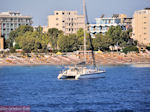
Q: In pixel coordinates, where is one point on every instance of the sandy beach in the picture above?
(101, 59)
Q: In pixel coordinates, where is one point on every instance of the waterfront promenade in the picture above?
(71, 59)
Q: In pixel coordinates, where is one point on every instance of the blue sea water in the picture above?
(124, 89)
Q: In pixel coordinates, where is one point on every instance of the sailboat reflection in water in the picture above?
(81, 70)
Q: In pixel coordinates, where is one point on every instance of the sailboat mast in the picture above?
(86, 26)
(84, 14)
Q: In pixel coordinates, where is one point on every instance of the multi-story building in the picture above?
(9, 21)
(103, 23)
(1, 43)
(1, 40)
(127, 23)
(141, 26)
(67, 21)
(0, 30)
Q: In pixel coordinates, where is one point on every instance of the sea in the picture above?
(124, 88)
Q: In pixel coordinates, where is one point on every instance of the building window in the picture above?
(63, 13)
(57, 19)
(69, 13)
(63, 21)
(57, 13)
(144, 33)
(4, 19)
(144, 16)
(57, 24)
(144, 27)
(144, 22)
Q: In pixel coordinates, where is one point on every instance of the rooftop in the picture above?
(147, 8)
(11, 14)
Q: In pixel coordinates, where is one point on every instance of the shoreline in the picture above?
(115, 64)
(103, 59)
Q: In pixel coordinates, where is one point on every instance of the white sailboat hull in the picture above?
(89, 74)
(92, 75)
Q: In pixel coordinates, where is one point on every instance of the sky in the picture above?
(40, 9)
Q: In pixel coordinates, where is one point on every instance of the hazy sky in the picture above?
(40, 9)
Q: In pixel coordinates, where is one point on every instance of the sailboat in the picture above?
(81, 70)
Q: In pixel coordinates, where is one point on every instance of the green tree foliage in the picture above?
(33, 42)
(115, 34)
(80, 36)
(68, 43)
(119, 37)
(72, 42)
(130, 49)
(12, 50)
(102, 42)
(148, 48)
(37, 41)
(53, 34)
(27, 42)
(18, 32)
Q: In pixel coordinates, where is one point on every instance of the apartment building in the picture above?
(1, 42)
(0, 28)
(103, 23)
(141, 26)
(67, 21)
(9, 21)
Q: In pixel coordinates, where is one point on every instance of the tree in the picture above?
(18, 32)
(26, 42)
(80, 36)
(33, 42)
(68, 43)
(63, 43)
(119, 37)
(53, 34)
(148, 48)
(44, 41)
(102, 42)
(114, 33)
(130, 49)
(39, 29)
